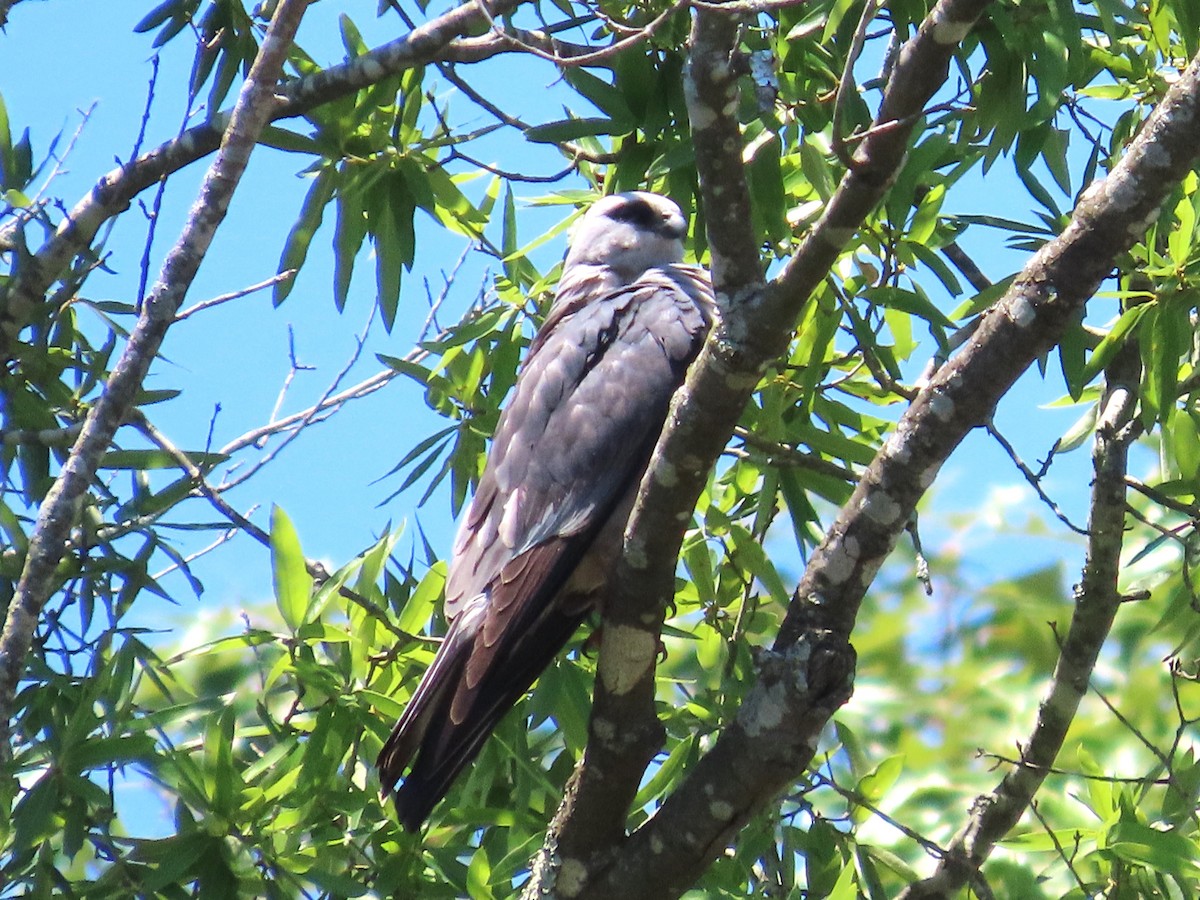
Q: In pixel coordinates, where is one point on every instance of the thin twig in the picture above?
(224, 538)
(1191, 510)
(293, 367)
(846, 84)
(1069, 860)
(597, 56)
(1070, 773)
(1034, 480)
(235, 295)
(56, 516)
(310, 415)
(196, 475)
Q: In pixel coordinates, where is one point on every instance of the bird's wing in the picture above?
(588, 406)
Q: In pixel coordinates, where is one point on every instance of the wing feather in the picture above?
(569, 450)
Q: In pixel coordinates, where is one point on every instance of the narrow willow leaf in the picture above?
(312, 212)
(293, 584)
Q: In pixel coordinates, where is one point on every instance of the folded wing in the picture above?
(567, 457)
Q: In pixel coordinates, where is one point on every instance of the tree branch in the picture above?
(591, 820)
(1096, 602)
(113, 193)
(58, 511)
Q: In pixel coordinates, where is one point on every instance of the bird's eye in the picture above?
(637, 213)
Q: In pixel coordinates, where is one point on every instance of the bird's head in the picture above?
(629, 232)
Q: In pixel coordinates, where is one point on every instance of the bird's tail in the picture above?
(447, 720)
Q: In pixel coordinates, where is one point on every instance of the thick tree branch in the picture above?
(783, 718)
(113, 193)
(756, 321)
(58, 511)
(624, 730)
(1027, 322)
(1096, 602)
(6, 7)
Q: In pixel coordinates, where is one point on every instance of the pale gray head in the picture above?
(629, 232)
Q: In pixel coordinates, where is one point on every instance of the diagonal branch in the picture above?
(808, 672)
(57, 514)
(1096, 602)
(113, 193)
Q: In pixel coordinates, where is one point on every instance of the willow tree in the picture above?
(1040, 747)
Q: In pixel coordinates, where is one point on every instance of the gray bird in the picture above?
(545, 526)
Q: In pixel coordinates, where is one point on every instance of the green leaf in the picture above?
(925, 219)
(573, 129)
(293, 584)
(295, 248)
(1163, 851)
(875, 784)
(1077, 435)
(352, 39)
(912, 302)
(158, 15)
(1185, 445)
(479, 875)
(34, 818)
(171, 858)
(983, 300)
(1054, 154)
(751, 555)
(336, 884)
(683, 754)
(157, 459)
(419, 608)
(1183, 232)
(288, 141)
(350, 229)
(1110, 342)
(604, 96)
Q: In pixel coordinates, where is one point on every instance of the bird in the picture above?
(545, 525)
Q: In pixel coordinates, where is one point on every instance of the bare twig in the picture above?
(309, 416)
(601, 55)
(1062, 853)
(325, 404)
(57, 512)
(1071, 773)
(1191, 510)
(234, 295)
(1034, 479)
(294, 366)
(196, 475)
(846, 85)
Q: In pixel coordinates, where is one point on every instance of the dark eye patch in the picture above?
(638, 213)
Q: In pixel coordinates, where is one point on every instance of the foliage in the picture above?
(261, 733)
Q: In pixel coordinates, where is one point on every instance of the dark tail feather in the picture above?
(430, 703)
(438, 765)
(428, 736)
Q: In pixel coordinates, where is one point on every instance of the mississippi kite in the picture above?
(545, 525)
